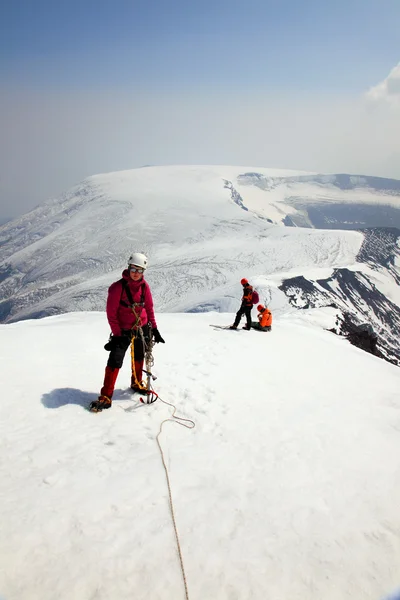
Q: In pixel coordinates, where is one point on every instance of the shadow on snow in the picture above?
(63, 396)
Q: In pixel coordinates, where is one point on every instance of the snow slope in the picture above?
(288, 487)
(198, 232)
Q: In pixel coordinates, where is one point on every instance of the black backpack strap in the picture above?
(125, 287)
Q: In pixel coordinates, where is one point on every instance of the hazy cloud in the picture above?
(388, 90)
(52, 140)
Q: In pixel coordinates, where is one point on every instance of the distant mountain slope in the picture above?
(327, 201)
(363, 293)
(203, 228)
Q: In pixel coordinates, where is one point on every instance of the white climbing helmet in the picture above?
(138, 259)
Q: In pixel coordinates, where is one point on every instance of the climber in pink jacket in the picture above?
(130, 314)
(119, 312)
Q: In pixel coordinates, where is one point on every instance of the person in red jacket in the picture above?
(130, 313)
(264, 319)
(245, 307)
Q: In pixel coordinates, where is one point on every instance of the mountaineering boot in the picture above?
(100, 404)
(233, 327)
(106, 392)
(245, 327)
(110, 377)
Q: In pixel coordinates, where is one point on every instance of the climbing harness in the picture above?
(132, 304)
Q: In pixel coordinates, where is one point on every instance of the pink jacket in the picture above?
(122, 317)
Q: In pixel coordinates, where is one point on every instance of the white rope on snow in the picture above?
(190, 425)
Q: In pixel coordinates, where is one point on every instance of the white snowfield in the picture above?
(287, 488)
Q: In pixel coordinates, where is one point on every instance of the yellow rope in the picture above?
(137, 327)
(171, 505)
(140, 385)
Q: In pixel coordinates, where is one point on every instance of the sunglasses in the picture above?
(136, 269)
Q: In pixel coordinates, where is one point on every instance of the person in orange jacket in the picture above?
(264, 319)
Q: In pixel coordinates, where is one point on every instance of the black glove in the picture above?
(157, 337)
(115, 341)
(110, 344)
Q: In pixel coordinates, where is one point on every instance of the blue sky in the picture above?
(290, 43)
(91, 86)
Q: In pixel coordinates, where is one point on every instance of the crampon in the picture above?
(100, 404)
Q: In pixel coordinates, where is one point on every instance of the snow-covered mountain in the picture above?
(287, 487)
(203, 229)
(368, 292)
(304, 426)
